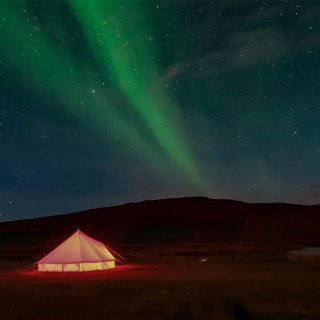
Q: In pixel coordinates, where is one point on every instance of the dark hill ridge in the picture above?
(196, 219)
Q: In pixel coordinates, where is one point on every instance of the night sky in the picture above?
(103, 103)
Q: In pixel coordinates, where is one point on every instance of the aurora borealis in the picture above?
(106, 102)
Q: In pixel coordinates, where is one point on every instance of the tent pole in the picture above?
(116, 253)
(27, 267)
(124, 261)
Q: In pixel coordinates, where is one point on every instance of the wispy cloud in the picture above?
(315, 191)
(245, 49)
(258, 37)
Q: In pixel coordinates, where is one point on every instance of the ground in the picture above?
(190, 281)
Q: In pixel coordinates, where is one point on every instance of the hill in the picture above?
(180, 220)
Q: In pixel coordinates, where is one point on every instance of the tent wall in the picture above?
(75, 267)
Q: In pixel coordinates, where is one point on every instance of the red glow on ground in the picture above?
(123, 271)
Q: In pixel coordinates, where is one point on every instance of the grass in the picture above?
(238, 281)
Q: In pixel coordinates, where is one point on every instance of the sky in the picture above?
(109, 102)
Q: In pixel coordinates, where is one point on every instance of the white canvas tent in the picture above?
(78, 253)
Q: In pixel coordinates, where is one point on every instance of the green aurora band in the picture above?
(129, 59)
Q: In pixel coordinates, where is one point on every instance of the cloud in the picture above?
(258, 46)
(248, 38)
(268, 13)
(315, 191)
(245, 49)
(173, 70)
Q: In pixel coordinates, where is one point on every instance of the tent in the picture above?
(78, 253)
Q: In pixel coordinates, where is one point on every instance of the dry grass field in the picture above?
(233, 281)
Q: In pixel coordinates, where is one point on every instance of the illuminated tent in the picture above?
(78, 253)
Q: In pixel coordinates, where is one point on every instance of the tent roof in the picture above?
(78, 248)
